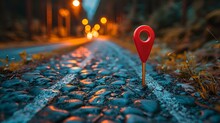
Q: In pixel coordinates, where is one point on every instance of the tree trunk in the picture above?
(42, 16)
(184, 12)
(29, 18)
(49, 18)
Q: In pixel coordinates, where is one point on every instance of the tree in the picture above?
(49, 17)
(29, 18)
(184, 12)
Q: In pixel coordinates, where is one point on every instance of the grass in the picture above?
(184, 66)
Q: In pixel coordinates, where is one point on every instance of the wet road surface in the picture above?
(98, 82)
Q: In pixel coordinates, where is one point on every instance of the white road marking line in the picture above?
(40, 101)
(165, 97)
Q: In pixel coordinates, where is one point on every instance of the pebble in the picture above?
(102, 92)
(67, 88)
(71, 104)
(185, 100)
(120, 75)
(22, 98)
(86, 73)
(35, 90)
(104, 72)
(87, 83)
(101, 81)
(161, 119)
(164, 82)
(97, 100)
(150, 106)
(14, 82)
(99, 87)
(118, 101)
(42, 81)
(2, 91)
(69, 62)
(132, 80)
(215, 118)
(119, 119)
(86, 110)
(196, 94)
(206, 113)
(111, 112)
(77, 94)
(107, 121)
(52, 77)
(1, 77)
(50, 73)
(128, 94)
(86, 89)
(130, 110)
(186, 87)
(50, 114)
(74, 70)
(118, 82)
(132, 118)
(31, 76)
(8, 107)
(114, 94)
(74, 119)
(61, 99)
(43, 67)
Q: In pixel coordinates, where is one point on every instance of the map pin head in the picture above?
(144, 47)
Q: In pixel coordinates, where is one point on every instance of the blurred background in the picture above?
(190, 22)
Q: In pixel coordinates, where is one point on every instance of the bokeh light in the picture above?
(97, 27)
(89, 35)
(85, 21)
(64, 12)
(87, 28)
(76, 3)
(103, 20)
(95, 33)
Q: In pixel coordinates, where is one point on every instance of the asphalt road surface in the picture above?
(99, 83)
(13, 53)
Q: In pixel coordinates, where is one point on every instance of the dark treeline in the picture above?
(174, 20)
(23, 19)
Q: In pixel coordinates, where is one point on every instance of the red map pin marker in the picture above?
(144, 47)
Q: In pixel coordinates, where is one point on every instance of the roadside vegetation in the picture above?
(27, 62)
(188, 51)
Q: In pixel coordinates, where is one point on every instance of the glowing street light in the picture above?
(95, 34)
(89, 35)
(85, 21)
(97, 27)
(87, 28)
(103, 20)
(76, 3)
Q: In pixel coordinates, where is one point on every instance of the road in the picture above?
(13, 53)
(98, 82)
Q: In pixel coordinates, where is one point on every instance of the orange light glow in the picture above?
(85, 21)
(103, 20)
(97, 27)
(87, 28)
(95, 34)
(64, 12)
(76, 3)
(89, 35)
